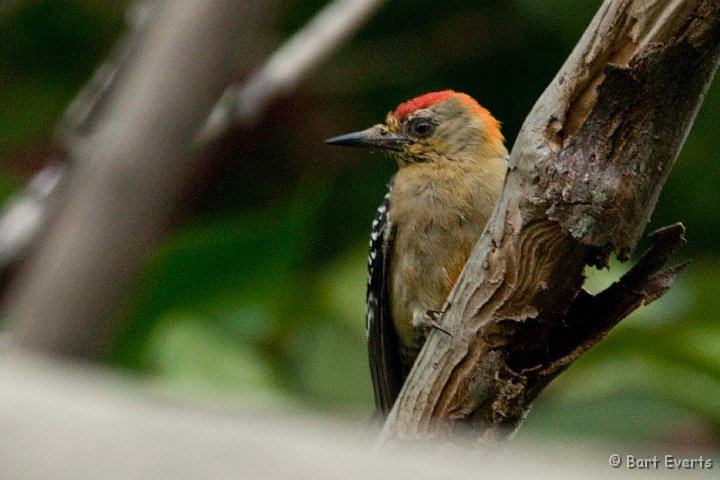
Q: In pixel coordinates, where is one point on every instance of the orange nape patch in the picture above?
(492, 126)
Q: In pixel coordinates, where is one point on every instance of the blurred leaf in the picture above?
(329, 364)
(192, 360)
(220, 265)
(49, 48)
(329, 357)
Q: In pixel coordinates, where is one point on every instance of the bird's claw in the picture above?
(431, 318)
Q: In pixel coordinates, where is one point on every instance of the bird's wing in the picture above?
(382, 339)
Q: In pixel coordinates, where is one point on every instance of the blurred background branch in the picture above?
(288, 65)
(24, 216)
(126, 175)
(83, 115)
(240, 104)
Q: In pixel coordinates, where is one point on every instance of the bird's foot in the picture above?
(429, 320)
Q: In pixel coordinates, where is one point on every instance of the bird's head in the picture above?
(435, 127)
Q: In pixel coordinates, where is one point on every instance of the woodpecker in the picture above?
(452, 163)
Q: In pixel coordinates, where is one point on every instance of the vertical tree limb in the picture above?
(585, 173)
(240, 104)
(131, 170)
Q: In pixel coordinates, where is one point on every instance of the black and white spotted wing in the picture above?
(383, 344)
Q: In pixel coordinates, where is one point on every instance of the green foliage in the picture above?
(655, 377)
(48, 48)
(229, 294)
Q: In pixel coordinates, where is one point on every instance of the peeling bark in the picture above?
(585, 174)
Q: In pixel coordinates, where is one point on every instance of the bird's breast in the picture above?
(437, 221)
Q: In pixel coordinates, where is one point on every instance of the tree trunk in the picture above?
(126, 176)
(585, 174)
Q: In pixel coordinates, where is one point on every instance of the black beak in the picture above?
(373, 137)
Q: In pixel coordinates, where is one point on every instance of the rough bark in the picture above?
(585, 174)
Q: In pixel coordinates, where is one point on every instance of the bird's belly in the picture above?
(427, 259)
(437, 212)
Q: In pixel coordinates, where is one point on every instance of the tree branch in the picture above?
(293, 61)
(85, 112)
(585, 174)
(239, 105)
(127, 174)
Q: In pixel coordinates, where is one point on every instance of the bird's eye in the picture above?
(421, 127)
